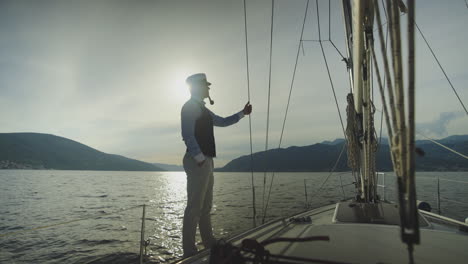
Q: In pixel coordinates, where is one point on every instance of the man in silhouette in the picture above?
(197, 133)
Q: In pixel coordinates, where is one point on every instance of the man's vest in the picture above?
(204, 133)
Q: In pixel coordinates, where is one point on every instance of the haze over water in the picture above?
(111, 226)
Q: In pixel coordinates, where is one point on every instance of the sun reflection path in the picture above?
(165, 216)
(166, 210)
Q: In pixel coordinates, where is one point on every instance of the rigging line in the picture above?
(328, 70)
(331, 172)
(441, 68)
(411, 184)
(384, 77)
(442, 179)
(294, 239)
(387, 22)
(331, 42)
(386, 16)
(268, 107)
(329, 30)
(384, 80)
(388, 79)
(337, 174)
(342, 189)
(385, 13)
(398, 89)
(329, 20)
(287, 105)
(445, 147)
(294, 76)
(371, 69)
(254, 257)
(250, 116)
(384, 103)
(453, 201)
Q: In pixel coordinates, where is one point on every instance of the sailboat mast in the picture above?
(357, 48)
(358, 16)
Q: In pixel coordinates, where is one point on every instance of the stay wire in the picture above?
(333, 44)
(385, 13)
(329, 20)
(287, 105)
(382, 112)
(441, 68)
(371, 82)
(329, 31)
(250, 116)
(268, 107)
(443, 146)
(294, 75)
(328, 70)
(331, 172)
(388, 80)
(384, 77)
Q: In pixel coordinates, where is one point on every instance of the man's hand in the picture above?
(247, 109)
(201, 163)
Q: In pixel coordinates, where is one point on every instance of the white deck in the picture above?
(357, 243)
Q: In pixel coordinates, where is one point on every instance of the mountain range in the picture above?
(169, 167)
(322, 157)
(45, 151)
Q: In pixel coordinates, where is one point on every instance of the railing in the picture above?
(438, 197)
(381, 185)
(142, 238)
(143, 244)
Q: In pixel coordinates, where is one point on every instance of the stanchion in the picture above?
(142, 240)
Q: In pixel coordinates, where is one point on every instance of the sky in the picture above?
(110, 74)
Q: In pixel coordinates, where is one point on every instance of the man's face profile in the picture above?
(200, 90)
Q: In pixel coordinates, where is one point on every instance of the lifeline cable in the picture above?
(287, 105)
(250, 117)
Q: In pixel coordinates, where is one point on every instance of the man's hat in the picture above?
(199, 78)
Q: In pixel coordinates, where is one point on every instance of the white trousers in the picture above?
(199, 202)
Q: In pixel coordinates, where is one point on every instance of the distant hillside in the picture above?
(44, 151)
(169, 167)
(322, 157)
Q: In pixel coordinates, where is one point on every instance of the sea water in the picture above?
(51, 216)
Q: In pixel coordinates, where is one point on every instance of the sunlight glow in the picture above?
(179, 89)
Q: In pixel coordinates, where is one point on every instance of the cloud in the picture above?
(108, 73)
(438, 127)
